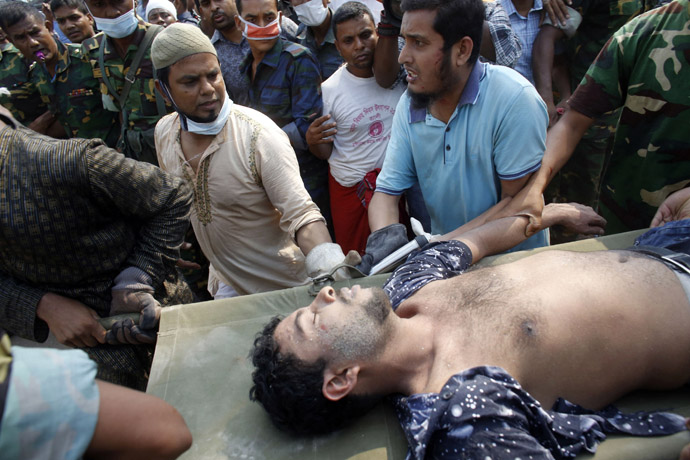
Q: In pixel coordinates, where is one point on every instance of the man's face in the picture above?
(356, 42)
(219, 13)
(109, 9)
(197, 87)
(340, 327)
(161, 17)
(3, 37)
(76, 25)
(32, 36)
(260, 13)
(429, 73)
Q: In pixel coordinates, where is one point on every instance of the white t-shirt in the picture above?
(363, 113)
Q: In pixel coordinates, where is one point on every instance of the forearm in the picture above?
(383, 211)
(311, 235)
(494, 237)
(18, 305)
(560, 144)
(321, 151)
(386, 65)
(542, 63)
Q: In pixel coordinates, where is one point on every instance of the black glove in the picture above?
(381, 243)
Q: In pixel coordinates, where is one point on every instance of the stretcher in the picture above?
(201, 367)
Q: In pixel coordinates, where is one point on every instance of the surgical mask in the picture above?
(311, 13)
(212, 127)
(120, 27)
(254, 32)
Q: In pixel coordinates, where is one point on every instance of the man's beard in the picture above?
(448, 80)
(366, 337)
(207, 119)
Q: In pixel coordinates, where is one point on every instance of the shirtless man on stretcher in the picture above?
(477, 364)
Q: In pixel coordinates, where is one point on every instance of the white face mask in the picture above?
(311, 13)
(120, 27)
(212, 127)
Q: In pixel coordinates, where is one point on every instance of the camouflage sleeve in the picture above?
(602, 88)
(18, 302)
(306, 91)
(145, 193)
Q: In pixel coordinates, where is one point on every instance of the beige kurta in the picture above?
(249, 200)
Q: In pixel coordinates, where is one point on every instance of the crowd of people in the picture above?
(170, 152)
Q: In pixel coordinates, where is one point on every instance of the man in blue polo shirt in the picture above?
(469, 132)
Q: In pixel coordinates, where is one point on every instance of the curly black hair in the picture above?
(290, 390)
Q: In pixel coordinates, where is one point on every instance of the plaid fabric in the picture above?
(506, 42)
(526, 29)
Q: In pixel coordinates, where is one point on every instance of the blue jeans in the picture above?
(674, 236)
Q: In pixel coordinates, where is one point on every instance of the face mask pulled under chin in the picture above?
(212, 127)
(120, 27)
(254, 32)
(311, 13)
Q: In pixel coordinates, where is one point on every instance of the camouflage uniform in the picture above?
(24, 103)
(74, 97)
(645, 68)
(143, 105)
(580, 179)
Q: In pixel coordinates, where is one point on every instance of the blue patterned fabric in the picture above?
(52, 405)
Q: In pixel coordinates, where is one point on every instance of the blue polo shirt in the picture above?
(497, 132)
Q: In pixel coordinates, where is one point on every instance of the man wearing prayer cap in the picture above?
(252, 216)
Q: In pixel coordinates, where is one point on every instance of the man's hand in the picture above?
(187, 264)
(529, 202)
(320, 132)
(73, 323)
(323, 258)
(575, 217)
(132, 293)
(675, 207)
(557, 11)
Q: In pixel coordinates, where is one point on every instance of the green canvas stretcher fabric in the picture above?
(201, 367)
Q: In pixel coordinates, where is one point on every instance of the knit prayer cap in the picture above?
(177, 41)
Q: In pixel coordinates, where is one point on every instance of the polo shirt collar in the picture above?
(469, 95)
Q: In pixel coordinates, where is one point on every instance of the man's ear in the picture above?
(462, 50)
(49, 26)
(338, 384)
(238, 23)
(159, 87)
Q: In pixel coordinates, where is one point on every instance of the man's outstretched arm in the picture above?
(502, 234)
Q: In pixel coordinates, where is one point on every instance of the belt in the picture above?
(677, 260)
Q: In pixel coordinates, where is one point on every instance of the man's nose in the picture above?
(404, 55)
(324, 298)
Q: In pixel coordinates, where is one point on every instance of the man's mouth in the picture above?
(411, 75)
(218, 17)
(40, 54)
